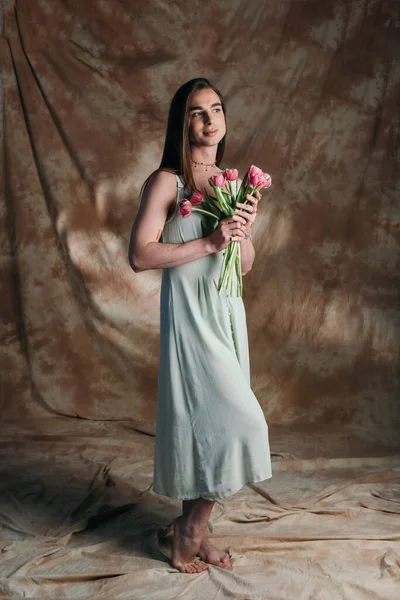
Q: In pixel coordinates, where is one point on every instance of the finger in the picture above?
(239, 218)
(243, 213)
(236, 218)
(247, 208)
(247, 216)
(240, 206)
(238, 226)
(254, 203)
(234, 233)
(230, 219)
(251, 198)
(238, 232)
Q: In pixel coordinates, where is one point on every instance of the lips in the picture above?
(211, 132)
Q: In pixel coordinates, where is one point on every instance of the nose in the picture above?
(207, 118)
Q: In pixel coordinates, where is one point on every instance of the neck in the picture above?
(204, 155)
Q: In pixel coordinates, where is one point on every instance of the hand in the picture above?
(230, 229)
(248, 211)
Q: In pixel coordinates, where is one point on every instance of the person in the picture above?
(211, 434)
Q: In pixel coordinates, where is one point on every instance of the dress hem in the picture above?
(210, 495)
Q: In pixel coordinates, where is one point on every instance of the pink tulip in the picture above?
(253, 175)
(218, 180)
(197, 198)
(185, 208)
(259, 180)
(267, 181)
(253, 170)
(252, 180)
(231, 174)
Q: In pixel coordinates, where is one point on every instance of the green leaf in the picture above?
(207, 195)
(229, 202)
(242, 190)
(221, 201)
(211, 204)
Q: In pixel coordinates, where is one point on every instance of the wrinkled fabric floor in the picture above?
(79, 518)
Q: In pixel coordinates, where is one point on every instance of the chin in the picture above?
(214, 141)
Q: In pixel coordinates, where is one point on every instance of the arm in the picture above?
(247, 254)
(146, 253)
(249, 212)
(144, 250)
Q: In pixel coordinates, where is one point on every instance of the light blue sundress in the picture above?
(211, 433)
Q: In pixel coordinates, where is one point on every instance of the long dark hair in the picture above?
(176, 155)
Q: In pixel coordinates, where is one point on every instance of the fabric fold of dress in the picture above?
(211, 433)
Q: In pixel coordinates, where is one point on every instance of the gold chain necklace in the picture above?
(195, 162)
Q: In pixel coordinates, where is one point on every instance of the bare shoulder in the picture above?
(163, 182)
(159, 194)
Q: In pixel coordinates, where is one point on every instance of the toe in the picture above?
(227, 562)
(182, 567)
(189, 569)
(200, 566)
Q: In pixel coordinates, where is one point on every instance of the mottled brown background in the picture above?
(313, 95)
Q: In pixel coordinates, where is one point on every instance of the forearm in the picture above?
(157, 255)
(247, 254)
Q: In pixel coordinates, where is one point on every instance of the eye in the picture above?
(217, 110)
(196, 114)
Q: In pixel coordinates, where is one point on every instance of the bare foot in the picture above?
(185, 547)
(212, 555)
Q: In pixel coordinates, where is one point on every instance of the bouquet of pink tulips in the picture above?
(223, 205)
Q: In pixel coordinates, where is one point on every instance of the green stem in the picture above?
(239, 272)
(204, 212)
(225, 268)
(228, 267)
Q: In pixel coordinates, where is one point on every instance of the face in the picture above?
(206, 118)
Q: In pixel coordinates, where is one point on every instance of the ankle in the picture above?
(195, 526)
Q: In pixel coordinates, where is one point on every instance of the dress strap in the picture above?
(180, 186)
(179, 181)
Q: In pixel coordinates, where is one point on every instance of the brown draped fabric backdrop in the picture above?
(312, 90)
(313, 95)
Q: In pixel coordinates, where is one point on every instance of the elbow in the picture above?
(246, 270)
(135, 264)
(135, 259)
(134, 267)
(140, 260)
